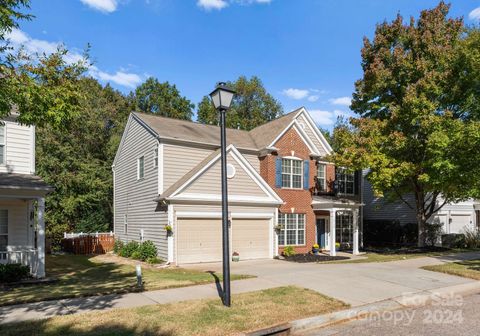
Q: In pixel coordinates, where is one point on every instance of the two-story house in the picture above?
(22, 198)
(281, 189)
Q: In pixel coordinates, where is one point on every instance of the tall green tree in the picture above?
(162, 99)
(76, 159)
(418, 130)
(42, 88)
(252, 106)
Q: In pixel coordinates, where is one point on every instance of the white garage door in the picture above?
(251, 238)
(459, 223)
(199, 240)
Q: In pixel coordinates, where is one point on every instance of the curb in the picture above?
(417, 299)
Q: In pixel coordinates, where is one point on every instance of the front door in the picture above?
(322, 232)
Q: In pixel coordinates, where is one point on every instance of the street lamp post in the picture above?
(222, 98)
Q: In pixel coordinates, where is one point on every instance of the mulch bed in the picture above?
(407, 250)
(306, 258)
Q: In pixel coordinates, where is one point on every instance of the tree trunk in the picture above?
(421, 228)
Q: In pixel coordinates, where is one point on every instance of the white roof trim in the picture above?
(320, 137)
(305, 138)
(244, 164)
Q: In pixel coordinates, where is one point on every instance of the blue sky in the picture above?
(307, 52)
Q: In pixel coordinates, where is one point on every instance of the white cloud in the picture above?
(474, 14)
(322, 117)
(296, 93)
(122, 78)
(345, 101)
(19, 39)
(212, 4)
(105, 6)
(313, 98)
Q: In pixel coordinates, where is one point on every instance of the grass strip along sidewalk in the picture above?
(249, 311)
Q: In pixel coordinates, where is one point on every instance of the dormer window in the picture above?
(2, 144)
(292, 173)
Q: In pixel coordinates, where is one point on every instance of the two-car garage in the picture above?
(200, 239)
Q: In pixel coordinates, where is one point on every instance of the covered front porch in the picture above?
(22, 224)
(337, 224)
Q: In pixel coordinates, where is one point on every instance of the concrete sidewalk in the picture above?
(45, 309)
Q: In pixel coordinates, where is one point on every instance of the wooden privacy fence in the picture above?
(88, 243)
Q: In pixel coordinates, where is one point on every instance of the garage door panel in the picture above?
(251, 238)
(199, 240)
(459, 223)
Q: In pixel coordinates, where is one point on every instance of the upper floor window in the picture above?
(322, 177)
(2, 144)
(292, 229)
(345, 182)
(292, 173)
(3, 229)
(155, 158)
(140, 168)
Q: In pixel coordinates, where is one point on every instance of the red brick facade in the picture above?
(291, 144)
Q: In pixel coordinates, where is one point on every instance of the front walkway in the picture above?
(356, 284)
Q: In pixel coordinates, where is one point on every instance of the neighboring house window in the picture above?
(155, 158)
(125, 224)
(3, 230)
(345, 182)
(140, 168)
(321, 177)
(2, 144)
(292, 173)
(292, 229)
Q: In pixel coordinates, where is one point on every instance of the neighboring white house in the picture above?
(456, 217)
(22, 198)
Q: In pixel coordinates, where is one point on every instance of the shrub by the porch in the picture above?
(13, 272)
(128, 249)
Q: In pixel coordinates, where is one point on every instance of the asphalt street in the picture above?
(448, 317)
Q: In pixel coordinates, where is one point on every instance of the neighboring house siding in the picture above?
(311, 134)
(20, 146)
(179, 160)
(241, 184)
(253, 160)
(18, 233)
(377, 208)
(135, 198)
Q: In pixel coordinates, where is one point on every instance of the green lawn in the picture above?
(467, 269)
(249, 311)
(84, 276)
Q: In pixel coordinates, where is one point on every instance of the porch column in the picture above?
(355, 232)
(333, 215)
(40, 238)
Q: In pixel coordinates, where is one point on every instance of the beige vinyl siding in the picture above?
(179, 160)
(19, 149)
(254, 161)
(18, 230)
(135, 198)
(210, 183)
(302, 120)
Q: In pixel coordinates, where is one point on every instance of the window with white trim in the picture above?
(322, 177)
(2, 144)
(292, 230)
(3, 230)
(155, 158)
(292, 173)
(345, 182)
(140, 167)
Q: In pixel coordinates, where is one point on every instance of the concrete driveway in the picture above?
(356, 284)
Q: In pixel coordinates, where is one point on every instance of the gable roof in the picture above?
(257, 139)
(175, 129)
(189, 178)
